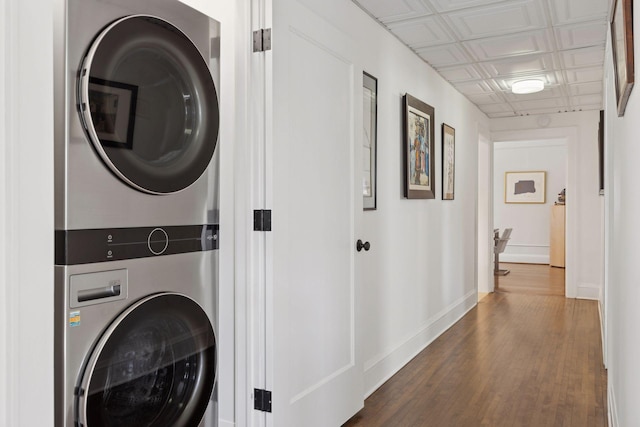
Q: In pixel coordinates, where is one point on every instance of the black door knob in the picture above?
(360, 246)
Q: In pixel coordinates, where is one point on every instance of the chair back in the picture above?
(501, 242)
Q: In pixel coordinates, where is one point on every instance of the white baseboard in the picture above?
(604, 344)
(379, 369)
(224, 423)
(588, 291)
(524, 258)
(613, 410)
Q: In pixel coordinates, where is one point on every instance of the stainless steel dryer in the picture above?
(136, 133)
(137, 114)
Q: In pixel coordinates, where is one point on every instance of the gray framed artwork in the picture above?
(525, 187)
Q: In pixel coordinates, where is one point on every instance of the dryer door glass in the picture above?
(154, 366)
(149, 104)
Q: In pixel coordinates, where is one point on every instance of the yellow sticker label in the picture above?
(74, 318)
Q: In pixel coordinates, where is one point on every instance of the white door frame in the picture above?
(252, 184)
(570, 134)
(26, 213)
(486, 227)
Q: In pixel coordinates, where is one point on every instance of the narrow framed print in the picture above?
(369, 141)
(418, 149)
(601, 153)
(525, 187)
(448, 162)
(113, 107)
(622, 48)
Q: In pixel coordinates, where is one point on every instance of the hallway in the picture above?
(520, 358)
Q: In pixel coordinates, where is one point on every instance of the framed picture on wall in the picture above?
(369, 141)
(418, 149)
(525, 187)
(448, 161)
(622, 48)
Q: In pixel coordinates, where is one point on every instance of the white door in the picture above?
(314, 367)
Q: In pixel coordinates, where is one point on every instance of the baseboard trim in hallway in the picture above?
(379, 369)
(514, 360)
(613, 410)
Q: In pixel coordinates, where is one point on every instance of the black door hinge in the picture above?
(262, 220)
(261, 400)
(262, 40)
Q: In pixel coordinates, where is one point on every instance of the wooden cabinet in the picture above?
(556, 248)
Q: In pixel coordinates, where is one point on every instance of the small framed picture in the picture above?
(448, 162)
(369, 140)
(113, 108)
(525, 187)
(418, 149)
(601, 152)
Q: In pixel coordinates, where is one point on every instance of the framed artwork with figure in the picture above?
(418, 149)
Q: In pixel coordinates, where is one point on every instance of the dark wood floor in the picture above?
(517, 359)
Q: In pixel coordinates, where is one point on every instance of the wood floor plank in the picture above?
(517, 359)
(533, 279)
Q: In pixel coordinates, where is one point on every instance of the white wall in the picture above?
(5, 403)
(584, 211)
(623, 230)
(26, 213)
(530, 222)
(421, 276)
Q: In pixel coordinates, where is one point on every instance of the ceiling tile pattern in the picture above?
(483, 46)
(424, 32)
(446, 55)
(491, 48)
(396, 10)
(581, 35)
(498, 19)
(461, 73)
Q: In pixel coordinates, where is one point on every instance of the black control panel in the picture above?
(112, 244)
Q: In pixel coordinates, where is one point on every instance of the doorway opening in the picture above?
(529, 184)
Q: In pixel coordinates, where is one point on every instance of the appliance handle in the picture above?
(98, 293)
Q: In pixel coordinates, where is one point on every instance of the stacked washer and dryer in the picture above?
(137, 179)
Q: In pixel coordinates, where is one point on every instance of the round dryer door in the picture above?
(155, 365)
(149, 104)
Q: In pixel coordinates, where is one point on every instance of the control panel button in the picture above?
(158, 241)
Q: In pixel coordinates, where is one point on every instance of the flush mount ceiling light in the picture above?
(527, 86)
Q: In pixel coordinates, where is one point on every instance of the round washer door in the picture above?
(149, 105)
(155, 365)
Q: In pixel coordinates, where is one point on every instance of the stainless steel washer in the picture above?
(137, 343)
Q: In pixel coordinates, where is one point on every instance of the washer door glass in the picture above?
(154, 366)
(149, 104)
